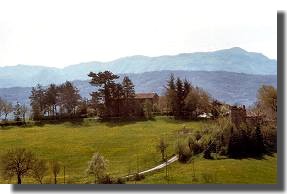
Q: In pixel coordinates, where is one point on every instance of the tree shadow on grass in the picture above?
(118, 122)
(73, 122)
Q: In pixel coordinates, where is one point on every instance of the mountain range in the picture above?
(231, 60)
(231, 75)
(225, 86)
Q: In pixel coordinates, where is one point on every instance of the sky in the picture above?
(65, 32)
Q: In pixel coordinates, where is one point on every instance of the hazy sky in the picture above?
(60, 33)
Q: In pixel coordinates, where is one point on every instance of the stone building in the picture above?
(238, 115)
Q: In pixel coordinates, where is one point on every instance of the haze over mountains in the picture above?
(231, 75)
(231, 60)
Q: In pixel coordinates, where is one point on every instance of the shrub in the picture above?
(198, 136)
(120, 181)
(184, 153)
(269, 135)
(106, 179)
(139, 177)
(246, 143)
(97, 167)
(194, 146)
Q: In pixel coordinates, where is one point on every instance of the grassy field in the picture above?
(245, 171)
(129, 146)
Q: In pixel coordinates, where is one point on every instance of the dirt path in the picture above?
(162, 165)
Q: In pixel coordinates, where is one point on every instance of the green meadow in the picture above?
(129, 147)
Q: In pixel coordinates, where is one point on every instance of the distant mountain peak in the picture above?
(234, 59)
(238, 50)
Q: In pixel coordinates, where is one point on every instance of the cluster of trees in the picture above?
(114, 99)
(266, 108)
(21, 162)
(19, 111)
(62, 100)
(185, 100)
(231, 143)
(245, 142)
(262, 138)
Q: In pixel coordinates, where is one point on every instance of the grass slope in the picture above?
(128, 146)
(224, 171)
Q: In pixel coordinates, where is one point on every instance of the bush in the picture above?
(120, 181)
(269, 135)
(207, 154)
(184, 153)
(139, 177)
(246, 143)
(198, 136)
(223, 150)
(194, 146)
(106, 179)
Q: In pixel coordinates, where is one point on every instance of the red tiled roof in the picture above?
(145, 95)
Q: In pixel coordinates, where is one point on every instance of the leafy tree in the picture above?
(147, 109)
(187, 87)
(17, 162)
(97, 167)
(191, 103)
(179, 105)
(204, 104)
(116, 106)
(23, 111)
(267, 101)
(8, 108)
(55, 168)
(17, 112)
(5, 108)
(37, 102)
(83, 106)
(197, 102)
(69, 98)
(171, 94)
(2, 104)
(104, 80)
(258, 144)
(39, 170)
(51, 96)
(162, 146)
(128, 96)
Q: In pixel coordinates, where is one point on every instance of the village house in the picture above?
(143, 97)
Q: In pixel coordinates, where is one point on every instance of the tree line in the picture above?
(55, 101)
(184, 101)
(111, 99)
(114, 99)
